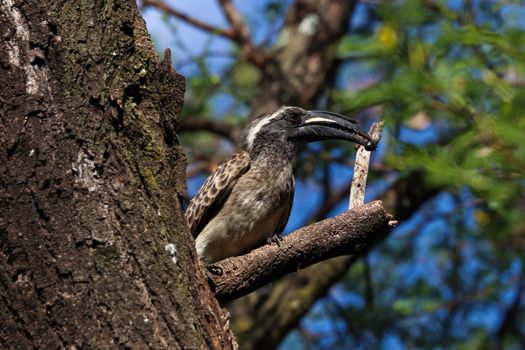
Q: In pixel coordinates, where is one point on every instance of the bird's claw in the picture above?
(275, 239)
(214, 270)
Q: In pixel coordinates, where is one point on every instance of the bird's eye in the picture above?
(294, 117)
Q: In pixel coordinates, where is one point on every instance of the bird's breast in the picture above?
(253, 211)
(258, 194)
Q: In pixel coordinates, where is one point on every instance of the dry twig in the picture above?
(362, 163)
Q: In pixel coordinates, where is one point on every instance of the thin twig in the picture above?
(238, 26)
(362, 161)
(161, 5)
(239, 31)
(242, 35)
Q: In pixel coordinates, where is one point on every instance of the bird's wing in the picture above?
(214, 191)
(287, 208)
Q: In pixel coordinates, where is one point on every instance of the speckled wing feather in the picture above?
(214, 191)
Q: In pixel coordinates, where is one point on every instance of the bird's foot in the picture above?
(210, 268)
(214, 269)
(275, 239)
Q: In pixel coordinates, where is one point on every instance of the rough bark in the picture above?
(94, 252)
(350, 233)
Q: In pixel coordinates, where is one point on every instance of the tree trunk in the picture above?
(94, 251)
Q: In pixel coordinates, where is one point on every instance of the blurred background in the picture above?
(448, 79)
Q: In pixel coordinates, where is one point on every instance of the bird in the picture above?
(247, 200)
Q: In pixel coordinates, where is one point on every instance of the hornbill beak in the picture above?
(324, 125)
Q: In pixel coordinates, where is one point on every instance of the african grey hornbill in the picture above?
(248, 198)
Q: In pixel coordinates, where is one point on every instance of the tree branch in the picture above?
(161, 5)
(242, 35)
(278, 312)
(362, 163)
(238, 26)
(239, 31)
(218, 127)
(352, 232)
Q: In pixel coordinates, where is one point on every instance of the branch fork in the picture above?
(239, 32)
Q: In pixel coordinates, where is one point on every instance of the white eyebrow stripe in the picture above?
(319, 119)
(254, 130)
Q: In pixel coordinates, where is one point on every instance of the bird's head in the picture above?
(294, 126)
